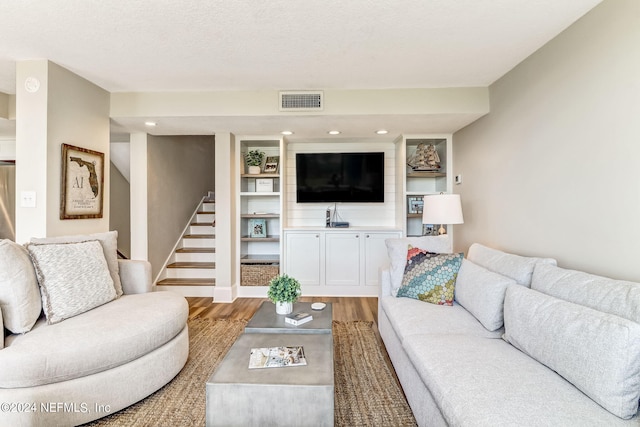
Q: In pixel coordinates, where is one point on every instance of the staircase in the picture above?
(191, 269)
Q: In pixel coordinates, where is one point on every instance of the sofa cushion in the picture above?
(600, 293)
(19, 293)
(73, 278)
(482, 292)
(430, 277)
(597, 352)
(109, 242)
(108, 336)
(397, 251)
(483, 382)
(516, 267)
(410, 317)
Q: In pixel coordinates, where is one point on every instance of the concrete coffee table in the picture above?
(266, 321)
(296, 395)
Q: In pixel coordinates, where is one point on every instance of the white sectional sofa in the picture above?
(526, 343)
(91, 364)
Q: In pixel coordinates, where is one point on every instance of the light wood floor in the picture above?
(344, 308)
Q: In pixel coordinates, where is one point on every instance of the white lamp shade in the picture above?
(442, 209)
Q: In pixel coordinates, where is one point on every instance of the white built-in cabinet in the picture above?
(337, 261)
(328, 261)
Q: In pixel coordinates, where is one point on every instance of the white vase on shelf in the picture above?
(283, 307)
(254, 170)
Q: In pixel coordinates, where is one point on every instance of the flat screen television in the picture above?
(340, 177)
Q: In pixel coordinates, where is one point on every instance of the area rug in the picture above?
(366, 392)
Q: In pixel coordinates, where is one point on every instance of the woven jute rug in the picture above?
(366, 392)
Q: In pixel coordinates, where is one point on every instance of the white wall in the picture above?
(357, 214)
(65, 109)
(553, 169)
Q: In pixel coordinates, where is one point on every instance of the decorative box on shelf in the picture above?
(264, 185)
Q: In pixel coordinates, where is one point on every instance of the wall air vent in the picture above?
(301, 101)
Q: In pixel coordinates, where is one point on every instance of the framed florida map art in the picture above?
(82, 188)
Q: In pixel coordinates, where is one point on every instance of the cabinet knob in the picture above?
(357, 236)
(367, 236)
(317, 235)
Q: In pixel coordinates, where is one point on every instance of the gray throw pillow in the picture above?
(73, 278)
(481, 292)
(109, 242)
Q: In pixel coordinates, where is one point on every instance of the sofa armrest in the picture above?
(135, 276)
(385, 283)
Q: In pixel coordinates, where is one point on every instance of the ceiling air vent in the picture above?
(301, 101)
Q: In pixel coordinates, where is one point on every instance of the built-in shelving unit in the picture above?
(259, 208)
(415, 185)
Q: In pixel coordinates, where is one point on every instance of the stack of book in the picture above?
(297, 319)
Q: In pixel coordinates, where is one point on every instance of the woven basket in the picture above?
(258, 274)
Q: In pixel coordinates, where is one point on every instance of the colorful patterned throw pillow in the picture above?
(430, 277)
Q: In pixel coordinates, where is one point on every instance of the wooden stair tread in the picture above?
(196, 250)
(199, 236)
(187, 282)
(202, 224)
(192, 265)
(206, 212)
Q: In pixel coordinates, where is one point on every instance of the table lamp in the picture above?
(442, 209)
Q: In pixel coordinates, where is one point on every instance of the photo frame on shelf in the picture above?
(257, 227)
(415, 204)
(271, 164)
(82, 183)
(429, 230)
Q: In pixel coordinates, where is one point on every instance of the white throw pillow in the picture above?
(73, 278)
(397, 251)
(599, 353)
(481, 292)
(109, 242)
(19, 293)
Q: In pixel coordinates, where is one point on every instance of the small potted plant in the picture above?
(254, 161)
(284, 291)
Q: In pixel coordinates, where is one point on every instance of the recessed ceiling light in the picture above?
(334, 132)
(382, 132)
(150, 123)
(286, 132)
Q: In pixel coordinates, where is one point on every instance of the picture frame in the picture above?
(429, 230)
(81, 183)
(415, 204)
(257, 228)
(271, 164)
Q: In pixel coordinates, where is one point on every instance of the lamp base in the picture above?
(442, 230)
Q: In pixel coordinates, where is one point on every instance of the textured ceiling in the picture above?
(204, 45)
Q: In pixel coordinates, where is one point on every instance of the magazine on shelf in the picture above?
(276, 357)
(298, 318)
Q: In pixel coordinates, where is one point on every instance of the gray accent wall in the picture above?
(180, 173)
(554, 168)
(120, 215)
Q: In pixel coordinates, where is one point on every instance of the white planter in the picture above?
(254, 170)
(284, 307)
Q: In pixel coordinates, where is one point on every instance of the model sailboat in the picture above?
(425, 158)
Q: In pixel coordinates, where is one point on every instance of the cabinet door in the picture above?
(375, 256)
(302, 254)
(342, 255)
